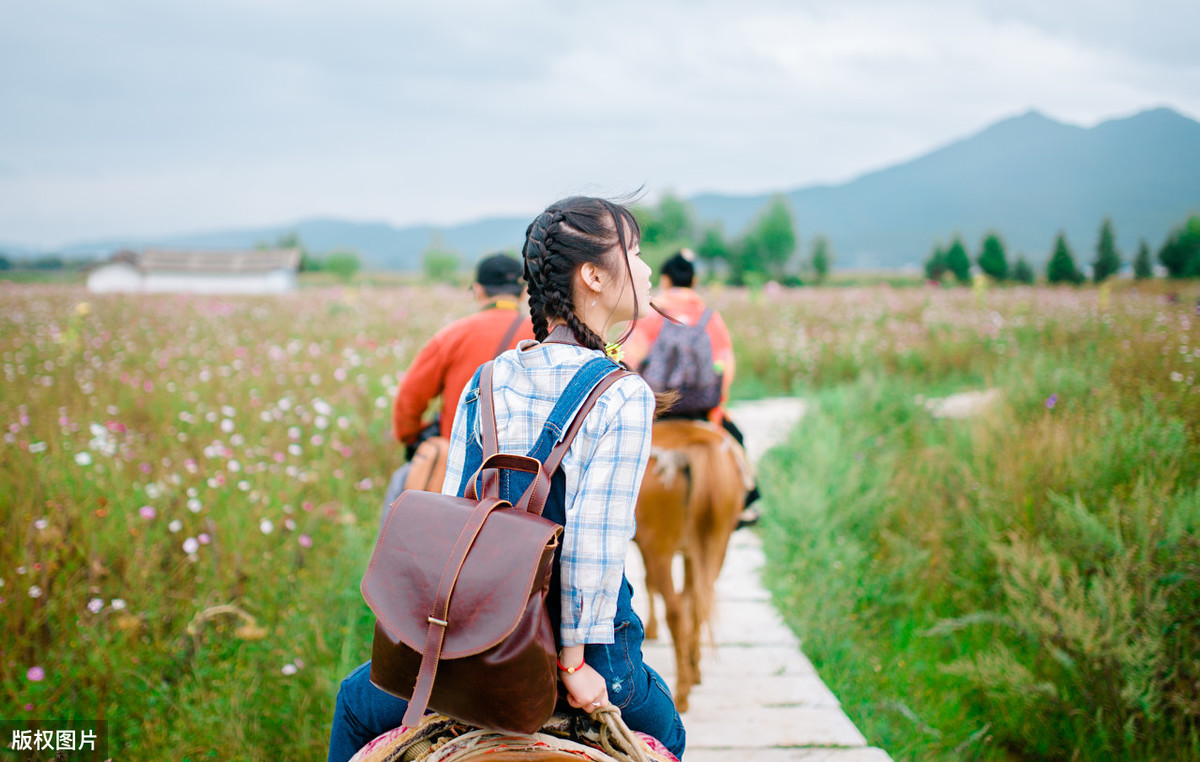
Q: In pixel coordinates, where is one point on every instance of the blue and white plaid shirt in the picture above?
(603, 468)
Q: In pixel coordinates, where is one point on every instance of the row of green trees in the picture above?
(1179, 256)
(767, 250)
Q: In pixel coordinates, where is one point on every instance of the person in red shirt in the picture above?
(677, 298)
(446, 363)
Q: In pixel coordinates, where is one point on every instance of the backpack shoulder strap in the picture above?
(703, 321)
(487, 411)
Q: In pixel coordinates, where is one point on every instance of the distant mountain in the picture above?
(1026, 178)
(381, 246)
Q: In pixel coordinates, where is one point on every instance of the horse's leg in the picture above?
(693, 585)
(651, 616)
(680, 614)
(658, 582)
(659, 575)
(721, 503)
(651, 623)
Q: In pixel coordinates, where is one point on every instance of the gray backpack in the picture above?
(681, 359)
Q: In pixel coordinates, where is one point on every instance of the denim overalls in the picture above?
(364, 711)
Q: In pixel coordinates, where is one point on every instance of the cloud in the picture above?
(135, 116)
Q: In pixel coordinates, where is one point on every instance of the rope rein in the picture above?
(617, 739)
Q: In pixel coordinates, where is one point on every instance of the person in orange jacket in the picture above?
(446, 363)
(677, 298)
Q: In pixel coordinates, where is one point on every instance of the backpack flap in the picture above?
(512, 555)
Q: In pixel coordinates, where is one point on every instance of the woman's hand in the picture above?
(586, 688)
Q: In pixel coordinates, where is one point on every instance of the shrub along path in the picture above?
(760, 699)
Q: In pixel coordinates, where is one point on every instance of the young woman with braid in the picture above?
(584, 275)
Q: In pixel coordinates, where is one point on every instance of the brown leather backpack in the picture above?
(458, 586)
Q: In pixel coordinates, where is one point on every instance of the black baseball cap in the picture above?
(498, 270)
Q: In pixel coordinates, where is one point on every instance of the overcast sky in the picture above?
(145, 117)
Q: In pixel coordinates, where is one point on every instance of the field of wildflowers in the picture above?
(191, 487)
(1021, 584)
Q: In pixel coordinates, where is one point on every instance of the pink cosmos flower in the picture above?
(36, 674)
(147, 513)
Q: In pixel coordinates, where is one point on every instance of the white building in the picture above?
(198, 271)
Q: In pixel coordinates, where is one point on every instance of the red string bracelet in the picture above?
(570, 670)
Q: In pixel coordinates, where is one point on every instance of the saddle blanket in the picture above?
(441, 739)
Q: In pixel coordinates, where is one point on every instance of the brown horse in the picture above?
(691, 496)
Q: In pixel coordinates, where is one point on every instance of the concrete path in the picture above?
(761, 700)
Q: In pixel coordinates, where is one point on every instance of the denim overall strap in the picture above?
(581, 385)
(474, 455)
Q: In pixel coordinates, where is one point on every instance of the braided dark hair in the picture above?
(569, 233)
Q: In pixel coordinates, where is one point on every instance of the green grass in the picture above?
(164, 457)
(1022, 584)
